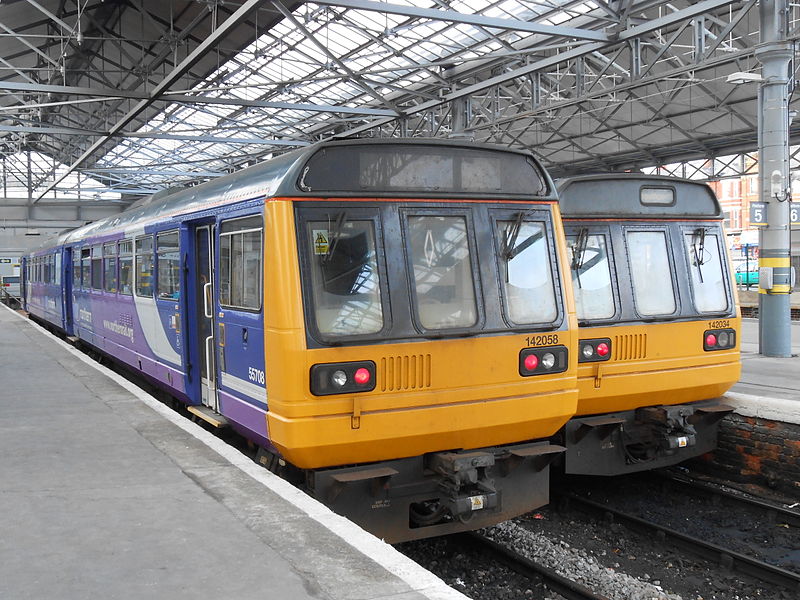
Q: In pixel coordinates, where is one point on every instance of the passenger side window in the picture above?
(126, 267)
(169, 262)
(97, 268)
(651, 273)
(144, 266)
(86, 255)
(240, 274)
(110, 267)
(439, 250)
(76, 267)
(705, 266)
(591, 276)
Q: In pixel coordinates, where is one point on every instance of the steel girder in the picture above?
(586, 85)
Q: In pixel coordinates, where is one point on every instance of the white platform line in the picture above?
(418, 579)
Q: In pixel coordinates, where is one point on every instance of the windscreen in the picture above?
(591, 276)
(421, 169)
(344, 276)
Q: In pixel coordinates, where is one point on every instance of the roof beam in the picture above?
(113, 94)
(210, 42)
(150, 135)
(579, 50)
(477, 20)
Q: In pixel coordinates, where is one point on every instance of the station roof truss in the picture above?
(110, 100)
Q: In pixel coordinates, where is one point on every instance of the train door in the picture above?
(65, 280)
(204, 295)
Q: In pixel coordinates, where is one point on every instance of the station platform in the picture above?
(769, 388)
(106, 493)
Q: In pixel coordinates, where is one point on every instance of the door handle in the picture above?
(207, 300)
(209, 352)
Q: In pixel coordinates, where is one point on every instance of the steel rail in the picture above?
(728, 558)
(780, 513)
(526, 567)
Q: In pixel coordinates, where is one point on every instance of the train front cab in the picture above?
(659, 321)
(415, 365)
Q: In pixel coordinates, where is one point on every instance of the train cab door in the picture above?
(204, 295)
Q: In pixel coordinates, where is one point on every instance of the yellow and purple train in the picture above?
(394, 321)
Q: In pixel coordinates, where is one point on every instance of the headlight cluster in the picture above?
(541, 361)
(342, 378)
(594, 350)
(719, 339)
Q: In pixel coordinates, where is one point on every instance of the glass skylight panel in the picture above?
(285, 54)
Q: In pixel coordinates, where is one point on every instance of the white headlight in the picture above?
(548, 360)
(723, 339)
(588, 351)
(339, 378)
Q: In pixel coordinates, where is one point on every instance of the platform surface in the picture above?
(769, 387)
(103, 495)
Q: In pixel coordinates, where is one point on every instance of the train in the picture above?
(415, 331)
(659, 321)
(390, 322)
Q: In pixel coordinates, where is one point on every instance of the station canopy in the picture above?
(123, 98)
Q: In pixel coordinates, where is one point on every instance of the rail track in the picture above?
(714, 553)
(775, 511)
(530, 569)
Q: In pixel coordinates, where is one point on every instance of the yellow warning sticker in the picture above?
(477, 502)
(320, 241)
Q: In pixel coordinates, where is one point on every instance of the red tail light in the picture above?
(362, 376)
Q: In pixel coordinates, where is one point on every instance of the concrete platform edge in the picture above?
(416, 577)
(773, 409)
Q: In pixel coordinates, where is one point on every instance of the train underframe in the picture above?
(641, 439)
(438, 493)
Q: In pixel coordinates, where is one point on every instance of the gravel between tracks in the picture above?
(606, 557)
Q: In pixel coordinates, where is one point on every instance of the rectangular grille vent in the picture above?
(405, 372)
(630, 347)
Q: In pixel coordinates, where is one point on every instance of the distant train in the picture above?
(390, 319)
(658, 317)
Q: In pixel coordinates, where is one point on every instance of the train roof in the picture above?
(635, 195)
(322, 170)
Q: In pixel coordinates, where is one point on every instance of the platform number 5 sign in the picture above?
(758, 213)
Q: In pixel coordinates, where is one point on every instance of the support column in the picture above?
(774, 54)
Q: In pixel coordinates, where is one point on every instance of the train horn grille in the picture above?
(630, 347)
(405, 372)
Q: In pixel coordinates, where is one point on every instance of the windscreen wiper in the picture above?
(579, 253)
(335, 234)
(510, 246)
(698, 250)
